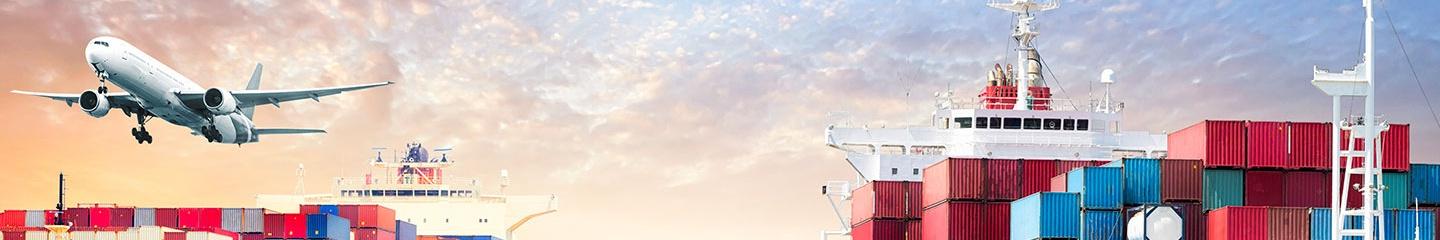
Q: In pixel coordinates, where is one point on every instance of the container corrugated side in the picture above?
(1425, 183)
(1402, 224)
(961, 220)
(144, 217)
(954, 178)
(1101, 225)
(1434, 218)
(254, 221)
(1002, 179)
(878, 229)
(101, 217)
(1395, 147)
(198, 235)
(326, 226)
(1142, 181)
(383, 218)
(377, 234)
(230, 219)
(1218, 143)
(1223, 187)
(1264, 188)
(1397, 190)
(1309, 145)
(1307, 189)
(122, 217)
(1064, 166)
(1097, 187)
(1288, 223)
(404, 230)
(1265, 145)
(167, 217)
(34, 218)
(1035, 176)
(1237, 223)
(884, 200)
(1181, 180)
(1193, 214)
(1045, 215)
(1320, 224)
(12, 218)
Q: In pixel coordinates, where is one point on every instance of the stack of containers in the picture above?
(963, 198)
(885, 210)
(248, 223)
(327, 227)
(370, 222)
(1101, 197)
(285, 226)
(1399, 224)
(1045, 215)
(1169, 182)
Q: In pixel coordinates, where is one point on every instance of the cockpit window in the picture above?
(102, 43)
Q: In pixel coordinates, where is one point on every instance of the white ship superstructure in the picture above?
(418, 189)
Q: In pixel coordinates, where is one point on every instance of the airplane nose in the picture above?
(93, 54)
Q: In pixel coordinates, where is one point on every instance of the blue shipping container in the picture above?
(1097, 187)
(329, 209)
(1425, 183)
(1045, 215)
(1401, 224)
(1320, 224)
(1142, 181)
(404, 230)
(326, 226)
(1100, 225)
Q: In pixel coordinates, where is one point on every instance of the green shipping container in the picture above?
(1397, 190)
(1224, 187)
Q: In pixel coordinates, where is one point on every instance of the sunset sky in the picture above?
(650, 120)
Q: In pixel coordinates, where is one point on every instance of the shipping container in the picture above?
(77, 216)
(1180, 180)
(404, 230)
(1002, 179)
(1320, 224)
(254, 221)
(231, 218)
(1097, 186)
(189, 218)
(376, 216)
(308, 209)
(1045, 215)
(37, 235)
(885, 200)
(880, 229)
(167, 217)
(203, 235)
(1434, 218)
(1101, 225)
(1310, 145)
(954, 178)
(122, 217)
(329, 209)
(1288, 223)
(35, 218)
(145, 217)
(376, 234)
(252, 236)
(1410, 224)
(12, 218)
(1425, 183)
(1064, 166)
(1307, 189)
(1264, 188)
(1266, 145)
(1057, 183)
(959, 220)
(1193, 214)
(1397, 190)
(101, 217)
(1223, 187)
(1035, 176)
(1395, 148)
(287, 225)
(326, 226)
(1237, 223)
(13, 235)
(1142, 180)
(1217, 143)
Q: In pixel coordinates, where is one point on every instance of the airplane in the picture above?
(155, 90)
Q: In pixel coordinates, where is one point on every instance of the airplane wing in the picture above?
(267, 131)
(251, 98)
(117, 100)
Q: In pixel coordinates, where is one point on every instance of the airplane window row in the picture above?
(1021, 123)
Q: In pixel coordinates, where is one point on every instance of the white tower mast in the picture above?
(1025, 35)
(1355, 82)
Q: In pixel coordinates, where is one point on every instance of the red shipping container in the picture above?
(122, 217)
(1216, 143)
(309, 209)
(1002, 179)
(1395, 148)
(175, 236)
(14, 235)
(1181, 180)
(372, 216)
(1307, 189)
(886, 200)
(1266, 145)
(1264, 188)
(1064, 166)
(274, 225)
(1035, 176)
(1237, 223)
(77, 216)
(1193, 213)
(954, 178)
(1058, 183)
(100, 217)
(211, 218)
(956, 220)
(12, 218)
(167, 217)
(294, 226)
(1286, 223)
(1309, 145)
(189, 218)
(376, 234)
(878, 229)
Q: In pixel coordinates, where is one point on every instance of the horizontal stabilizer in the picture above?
(267, 131)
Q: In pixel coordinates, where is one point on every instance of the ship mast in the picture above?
(1355, 82)
(1029, 60)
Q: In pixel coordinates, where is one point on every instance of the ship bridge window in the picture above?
(1012, 123)
(1069, 124)
(1082, 124)
(982, 122)
(1032, 123)
(964, 122)
(995, 123)
(1052, 124)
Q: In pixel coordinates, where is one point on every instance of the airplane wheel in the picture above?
(134, 132)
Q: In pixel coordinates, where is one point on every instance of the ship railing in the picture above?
(1047, 140)
(1060, 104)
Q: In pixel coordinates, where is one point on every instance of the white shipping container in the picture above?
(231, 219)
(254, 221)
(82, 235)
(34, 218)
(37, 235)
(144, 217)
(106, 235)
(145, 233)
(205, 236)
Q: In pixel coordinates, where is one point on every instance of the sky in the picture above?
(650, 120)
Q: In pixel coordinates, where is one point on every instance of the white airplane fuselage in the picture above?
(157, 86)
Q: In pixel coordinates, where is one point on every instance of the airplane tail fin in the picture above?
(271, 131)
(254, 84)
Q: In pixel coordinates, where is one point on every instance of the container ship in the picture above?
(407, 198)
(1016, 163)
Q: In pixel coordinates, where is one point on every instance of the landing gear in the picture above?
(142, 136)
(211, 135)
(102, 75)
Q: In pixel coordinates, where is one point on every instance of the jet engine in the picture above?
(94, 104)
(219, 101)
(231, 128)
